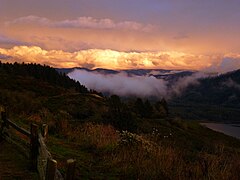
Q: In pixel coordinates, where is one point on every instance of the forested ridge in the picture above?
(42, 73)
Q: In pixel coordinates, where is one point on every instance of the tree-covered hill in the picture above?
(25, 87)
(214, 98)
(220, 90)
(40, 74)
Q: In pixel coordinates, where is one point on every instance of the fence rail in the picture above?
(41, 159)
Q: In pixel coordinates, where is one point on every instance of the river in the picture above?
(228, 129)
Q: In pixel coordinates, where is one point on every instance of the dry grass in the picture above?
(139, 157)
(95, 135)
(161, 162)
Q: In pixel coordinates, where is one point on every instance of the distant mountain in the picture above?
(221, 90)
(213, 98)
(169, 75)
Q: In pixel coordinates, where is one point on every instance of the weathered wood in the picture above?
(40, 158)
(51, 169)
(71, 164)
(43, 148)
(44, 130)
(19, 129)
(34, 147)
(43, 156)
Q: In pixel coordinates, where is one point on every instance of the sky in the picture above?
(121, 34)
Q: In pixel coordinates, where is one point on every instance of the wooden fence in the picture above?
(41, 159)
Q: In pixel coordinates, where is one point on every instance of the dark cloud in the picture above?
(4, 57)
(7, 41)
(88, 65)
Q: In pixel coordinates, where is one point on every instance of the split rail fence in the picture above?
(33, 146)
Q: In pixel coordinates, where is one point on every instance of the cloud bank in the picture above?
(82, 22)
(228, 63)
(7, 41)
(109, 59)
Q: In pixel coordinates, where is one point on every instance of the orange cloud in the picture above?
(73, 34)
(99, 58)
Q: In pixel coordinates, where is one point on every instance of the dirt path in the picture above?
(13, 165)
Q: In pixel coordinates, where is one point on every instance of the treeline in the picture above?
(221, 90)
(41, 91)
(42, 73)
(125, 116)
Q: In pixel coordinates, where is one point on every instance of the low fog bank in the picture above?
(121, 84)
(227, 64)
(148, 86)
(141, 86)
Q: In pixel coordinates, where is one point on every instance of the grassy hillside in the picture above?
(160, 150)
(112, 139)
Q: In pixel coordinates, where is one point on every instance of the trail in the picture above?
(14, 165)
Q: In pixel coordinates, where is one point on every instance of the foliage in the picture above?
(148, 156)
(41, 74)
(112, 138)
(119, 115)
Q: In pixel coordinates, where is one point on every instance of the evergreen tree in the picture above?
(119, 114)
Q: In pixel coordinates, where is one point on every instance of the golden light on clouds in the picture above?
(110, 59)
(120, 34)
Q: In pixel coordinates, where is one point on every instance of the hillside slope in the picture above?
(116, 139)
(213, 98)
(221, 90)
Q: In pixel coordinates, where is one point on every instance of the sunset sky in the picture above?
(121, 34)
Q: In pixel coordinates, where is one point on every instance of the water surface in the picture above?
(228, 129)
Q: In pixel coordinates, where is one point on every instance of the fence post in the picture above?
(51, 169)
(71, 164)
(34, 147)
(44, 130)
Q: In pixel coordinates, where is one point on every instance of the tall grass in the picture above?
(94, 135)
(140, 157)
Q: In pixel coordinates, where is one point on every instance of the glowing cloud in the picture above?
(98, 58)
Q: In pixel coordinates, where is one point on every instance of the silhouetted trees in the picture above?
(42, 73)
(161, 108)
(147, 110)
(119, 115)
(144, 109)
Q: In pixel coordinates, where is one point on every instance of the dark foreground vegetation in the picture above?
(112, 139)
